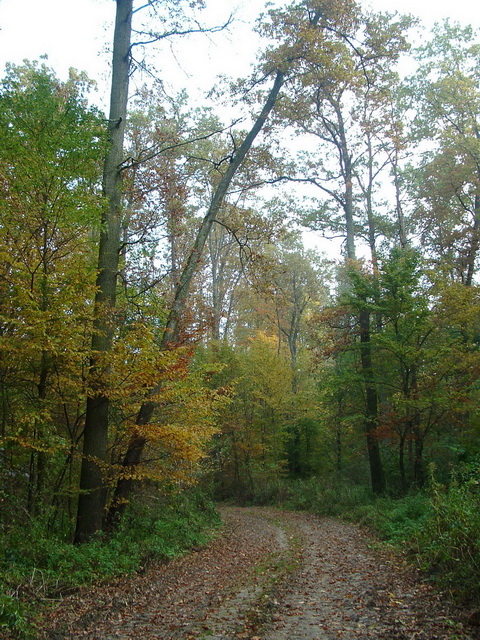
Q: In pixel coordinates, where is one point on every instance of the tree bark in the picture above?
(418, 466)
(371, 406)
(402, 231)
(474, 244)
(91, 506)
(401, 463)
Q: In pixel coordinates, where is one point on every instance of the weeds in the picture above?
(448, 543)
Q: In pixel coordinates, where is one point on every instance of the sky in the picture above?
(77, 34)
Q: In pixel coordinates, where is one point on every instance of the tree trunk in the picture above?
(214, 250)
(371, 405)
(372, 238)
(402, 232)
(418, 435)
(401, 463)
(91, 504)
(348, 205)
(338, 449)
(474, 244)
(418, 466)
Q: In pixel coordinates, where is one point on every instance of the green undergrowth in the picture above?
(447, 545)
(394, 520)
(327, 498)
(439, 530)
(36, 567)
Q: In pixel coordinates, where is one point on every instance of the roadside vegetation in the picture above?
(38, 568)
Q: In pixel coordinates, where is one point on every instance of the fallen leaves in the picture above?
(240, 587)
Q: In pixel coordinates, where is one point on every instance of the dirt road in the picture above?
(272, 575)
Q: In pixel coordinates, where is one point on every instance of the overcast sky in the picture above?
(77, 33)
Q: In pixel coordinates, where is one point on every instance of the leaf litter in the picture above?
(270, 575)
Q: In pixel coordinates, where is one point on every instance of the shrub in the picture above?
(394, 520)
(14, 617)
(448, 543)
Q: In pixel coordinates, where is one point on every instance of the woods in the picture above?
(168, 325)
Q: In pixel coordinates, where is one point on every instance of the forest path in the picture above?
(272, 575)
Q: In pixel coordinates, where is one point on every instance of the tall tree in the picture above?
(335, 102)
(338, 107)
(92, 486)
(92, 498)
(447, 185)
(279, 64)
(51, 142)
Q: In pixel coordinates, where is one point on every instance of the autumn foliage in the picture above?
(162, 325)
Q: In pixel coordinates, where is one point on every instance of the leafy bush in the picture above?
(448, 543)
(186, 520)
(394, 520)
(14, 617)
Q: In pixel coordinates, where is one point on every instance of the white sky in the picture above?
(77, 33)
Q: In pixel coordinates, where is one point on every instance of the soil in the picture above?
(270, 575)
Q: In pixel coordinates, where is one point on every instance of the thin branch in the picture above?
(130, 162)
(156, 37)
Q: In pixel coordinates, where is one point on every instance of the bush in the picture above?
(448, 543)
(14, 616)
(394, 520)
(439, 529)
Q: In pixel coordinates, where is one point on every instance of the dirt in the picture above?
(270, 575)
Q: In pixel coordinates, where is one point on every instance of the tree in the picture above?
(172, 329)
(334, 104)
(447, 183)
(250, 450)
(278, 68)
(286, 293)
(92, 490)
(337, 105)
(50, 144)
(361, 296)
(92, 497)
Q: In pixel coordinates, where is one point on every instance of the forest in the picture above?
(170, 334)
